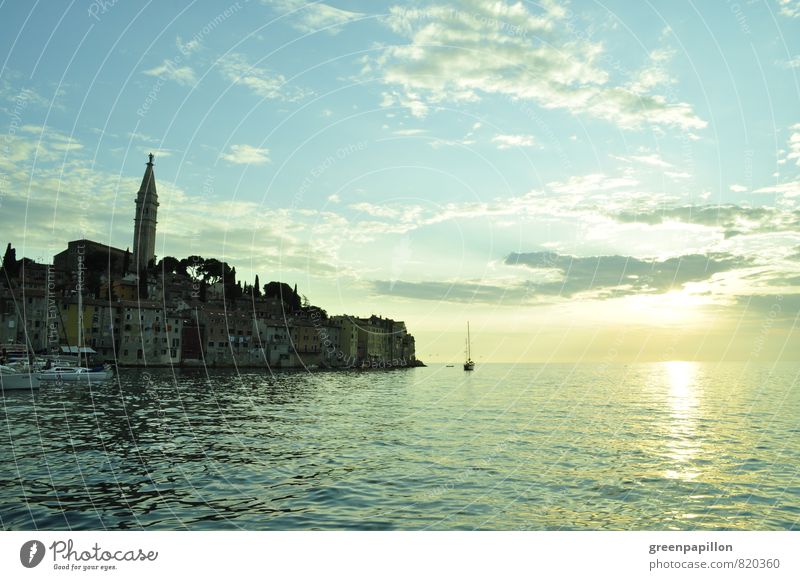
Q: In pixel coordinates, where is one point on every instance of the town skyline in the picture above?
(580, 182)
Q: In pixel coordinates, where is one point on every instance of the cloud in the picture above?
(594, 182)
(183, 75)
(651, 160)
(461, 53)
(794, 145)
(788, 189)
(311, 16)
(790, 8)
(678, 174)
(736, 188)
(613, 276)
(509, 141)
(559, 277)
(187, 48)
(409, 132)
(247, 155)
(235, 69)
(409, 100)
(791, 63)
(470, 292)
(50, 198)
(733, 219)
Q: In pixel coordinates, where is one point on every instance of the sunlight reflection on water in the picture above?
(549, 447)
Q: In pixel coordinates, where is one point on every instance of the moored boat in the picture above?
(13, 380)
(76, 374)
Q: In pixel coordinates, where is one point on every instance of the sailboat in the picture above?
(77, 373)
(468, 364)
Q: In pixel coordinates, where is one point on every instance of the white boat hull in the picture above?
(75, 377)
(18, 382)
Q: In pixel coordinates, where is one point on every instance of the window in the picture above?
(211, 344)
(124, 353)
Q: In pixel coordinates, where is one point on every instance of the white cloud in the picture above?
(409, 100)
(794, 145)
(460, 54)
(235, 68)
(790, 189)
(189, 47)
(790, 8)
(652, 160)
(509, 141)
(409, 132)
(247, 155)
(591, 183)
(311, 17)
(736, 188)
(678, 174)
(463, 142)
(183, 75)
(791, 63)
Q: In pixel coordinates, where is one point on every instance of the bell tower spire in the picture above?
(144, 230)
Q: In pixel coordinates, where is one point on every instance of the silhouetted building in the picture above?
(144, 230)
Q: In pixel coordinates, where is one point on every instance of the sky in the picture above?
(605, 181)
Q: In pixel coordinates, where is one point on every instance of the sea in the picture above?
(646, 446)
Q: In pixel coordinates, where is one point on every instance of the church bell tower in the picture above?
(144, 230)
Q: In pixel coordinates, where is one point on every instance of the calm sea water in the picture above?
(543, 447)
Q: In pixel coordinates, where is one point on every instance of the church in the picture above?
(114, 262)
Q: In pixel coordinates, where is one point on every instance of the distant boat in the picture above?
(449, 366)
(468, 364)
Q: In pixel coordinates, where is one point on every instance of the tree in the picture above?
(256, 288)
(193, 266)
(213, 271)
(284, 293)
(170, 265)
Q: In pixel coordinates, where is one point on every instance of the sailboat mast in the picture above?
(469, 354)
(80, 315)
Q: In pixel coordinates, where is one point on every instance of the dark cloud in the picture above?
(603, 277)
(735, 220)
(619, 275)
(782, 308)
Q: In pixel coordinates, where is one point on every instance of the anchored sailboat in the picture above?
(468, 364)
